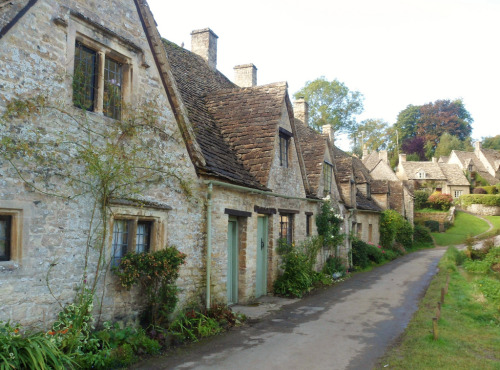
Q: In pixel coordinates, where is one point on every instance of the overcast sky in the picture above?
(395, 52)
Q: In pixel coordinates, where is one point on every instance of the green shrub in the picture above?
(404, 234)
(334, 265)
(156, 272)
(432, 225)
(421, 234)
(191, 325)
(440, 201)
(360, 254)
(29, 351)
(491, 189)
(296, 279)
(484, 199)
(420, 201)
(390, 222)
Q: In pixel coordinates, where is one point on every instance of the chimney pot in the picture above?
(245, 75)
(383, 156)
(204, 44)
(402, 158)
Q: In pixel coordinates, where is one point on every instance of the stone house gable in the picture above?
(470, 162)
(38, 52)
(490, 159)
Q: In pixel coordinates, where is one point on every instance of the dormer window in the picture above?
(327, 177)
(421, 174)
(470, 168)
(284, 136)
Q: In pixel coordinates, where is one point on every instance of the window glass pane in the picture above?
(283, 226)
(284, 151)
(120, 240)
(327, 174)
(142, 243)
(84, 78)
(4, 238)
(112, 99)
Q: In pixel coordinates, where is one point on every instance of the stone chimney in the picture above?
(477, 147)
(204, 43)
(434, 160)
(402, 158)
(365, 151)
(301, 110)
(383, 156)
(245, 75)
(328, 130)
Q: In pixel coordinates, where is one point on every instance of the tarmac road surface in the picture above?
(347, 326)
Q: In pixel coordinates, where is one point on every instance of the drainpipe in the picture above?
(209, 241)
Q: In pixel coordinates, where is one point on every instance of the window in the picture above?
(360, 230)
(370, 233)
(308, 224)
(5, 237)
(470, 167)
(97, 85)
(421, 174)
(327, 176)
(130, 235)
(286, 227)
(458, 193)
(284, 145)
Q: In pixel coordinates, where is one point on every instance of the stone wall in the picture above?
(52, 232)
(368, 226)
(481, 209)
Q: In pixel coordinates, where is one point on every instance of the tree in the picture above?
(331, 103)
(416, 146)
(492, 142)
(371, 133)
(448, 142)
(444, 116)
(431, 120)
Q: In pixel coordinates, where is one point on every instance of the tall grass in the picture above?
(465, 225)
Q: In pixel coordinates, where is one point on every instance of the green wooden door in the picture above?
(232, 261)
(262, 240)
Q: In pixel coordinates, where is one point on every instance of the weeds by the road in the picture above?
(469, 326)
(465, 225)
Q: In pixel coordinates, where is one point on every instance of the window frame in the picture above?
(132, 223)
(288, 235)
(460, 193)
(7, 256)
(327, 178)
(284, 137)
(15, 237)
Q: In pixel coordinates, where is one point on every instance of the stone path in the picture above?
(347, 326)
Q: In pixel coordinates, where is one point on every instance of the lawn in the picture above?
(465, 225)
(469, 327)
(495, 220)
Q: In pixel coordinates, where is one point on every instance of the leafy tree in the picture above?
(406, 123)
(492, 142)
(414, 145)
(448, 142)
(331, 103)
(373, 133)
(444, 116)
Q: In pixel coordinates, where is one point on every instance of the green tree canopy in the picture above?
(331, 103)
(371, 133)
(448, 142)
(492, 142)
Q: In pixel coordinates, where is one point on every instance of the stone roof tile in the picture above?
(11, 11)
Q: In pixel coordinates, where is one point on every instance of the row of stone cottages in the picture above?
(256, 171)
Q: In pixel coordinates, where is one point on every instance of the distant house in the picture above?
(482, 162)
(387, 189)
(443, 177)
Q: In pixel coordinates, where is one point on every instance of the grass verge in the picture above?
(469, 327)
(465, 225)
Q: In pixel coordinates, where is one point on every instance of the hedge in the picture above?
(484, 199)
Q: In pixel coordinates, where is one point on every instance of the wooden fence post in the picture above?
(442, 295)
(435, 328)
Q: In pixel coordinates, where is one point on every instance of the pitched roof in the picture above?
(431, 169)
(454, 174)
(467, 158)
(11, 11)
(248, 119)
(493, 157)
(348, 166)
(363, 203)
(198, 85)
(313, 146)
(379, 187)
(396, 196)
(371, 160)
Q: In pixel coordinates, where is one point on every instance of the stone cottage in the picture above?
(482, 162)
(387, 189)
(442, 177)
(253, 168)
(94, 66)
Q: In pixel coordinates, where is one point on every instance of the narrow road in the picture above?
(348, 326)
